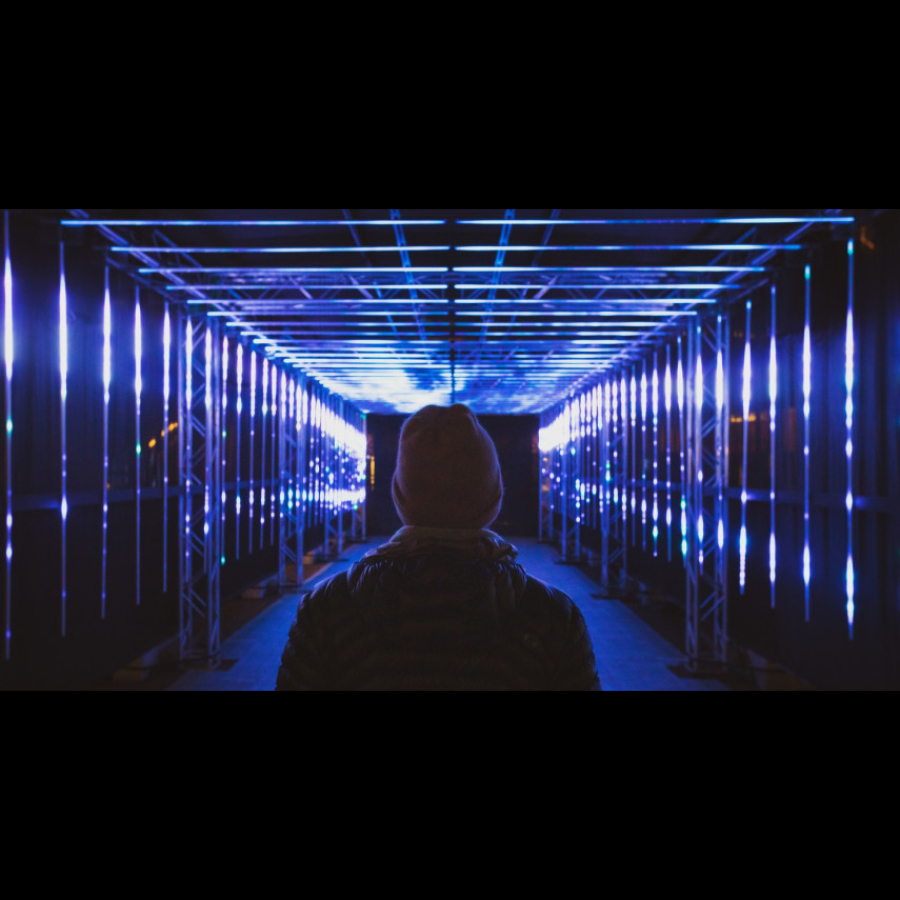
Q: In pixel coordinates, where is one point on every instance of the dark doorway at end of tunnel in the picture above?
(516, 439)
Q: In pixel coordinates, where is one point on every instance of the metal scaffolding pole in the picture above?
(200, 450)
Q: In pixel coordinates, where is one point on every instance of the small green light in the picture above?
(223, 560)
(9, 426)
(138, 449)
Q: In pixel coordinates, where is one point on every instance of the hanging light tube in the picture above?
(807, 449)
(207, 489)
(225, 364)
(682, 412)
(644, 454)
(475, 270)
(634, 481)
(602, 248)
(835, 220)
(747, 398)
(325, 270)
(247, 223)
(699, 390)
(167, 393)
(138, 391)
(8, 350)
(273, 492)
(240, 416)
(851, 412)
(668, 398)
(107, 384)
(722, 425)
(655, 398)
(64, 391)
(252, 449)
(773, 427)
(262, 489)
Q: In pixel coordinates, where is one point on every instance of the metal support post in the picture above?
(200, 447)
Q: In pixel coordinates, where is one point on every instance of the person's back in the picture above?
(444, 606)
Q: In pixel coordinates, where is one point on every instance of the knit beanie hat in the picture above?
(448, 474)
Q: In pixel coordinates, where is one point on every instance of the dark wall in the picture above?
(516, 439)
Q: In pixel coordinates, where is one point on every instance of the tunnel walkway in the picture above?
(630, 655)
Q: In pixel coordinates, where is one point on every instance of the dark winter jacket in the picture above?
(444, 621)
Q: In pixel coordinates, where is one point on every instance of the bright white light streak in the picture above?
(138, 392)
(851, 410)
(668, 398)
(8, 348)
(253, 362)
(682, 409)
(64, 391)
(644, 455)
(240, 416)
(655, 397)
(107, 384)
(274, 490)
(634, 415)
(225, 364)
(773, 417)
(207, 498)
(167, 396)
(745, 461)
(262, 489)
(699, 389)
(807, 449)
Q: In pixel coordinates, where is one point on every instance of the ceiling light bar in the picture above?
(244, 223)
(277, 250)
(337, 270)
(604, 269)
(615, 248)
(790, 220)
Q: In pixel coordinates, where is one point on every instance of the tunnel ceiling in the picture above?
(516, 307)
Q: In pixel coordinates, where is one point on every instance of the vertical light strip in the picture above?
(683, 447)
(720, 449)
(807, 449)
(773, 423)
(699, 389)
(240, 416)
(207, 492)
(634, 413)
(655, 455)
(747, 397)
(167, 394)
(252, 449)
(668, 395)
(609, 425)
(224, 467)
(851, 412)
(138, 391)
(283, 489)
(645, 414)
(188, 485)
(8, 349)
(274, 489)
(625, 459)
(615, 420)
(107, 386)
(64, 392)
(262, 489)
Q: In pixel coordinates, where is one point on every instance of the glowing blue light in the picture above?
(851, 382)
(699, 386)
(8, 358)
(64, 509)
(284, 250)
(807, 566)
(773, 416)
(720, 383)
(138, 354)
(248, 223)
(8, 317)
(834, 220)
(773, 559)
(747, 398)
(189, 364)
(63, 336)
(296, 270)
(543, 269)
(744, 548)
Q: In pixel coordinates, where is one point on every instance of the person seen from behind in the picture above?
(444, 606)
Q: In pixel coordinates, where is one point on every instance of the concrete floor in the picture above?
(631, 656)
